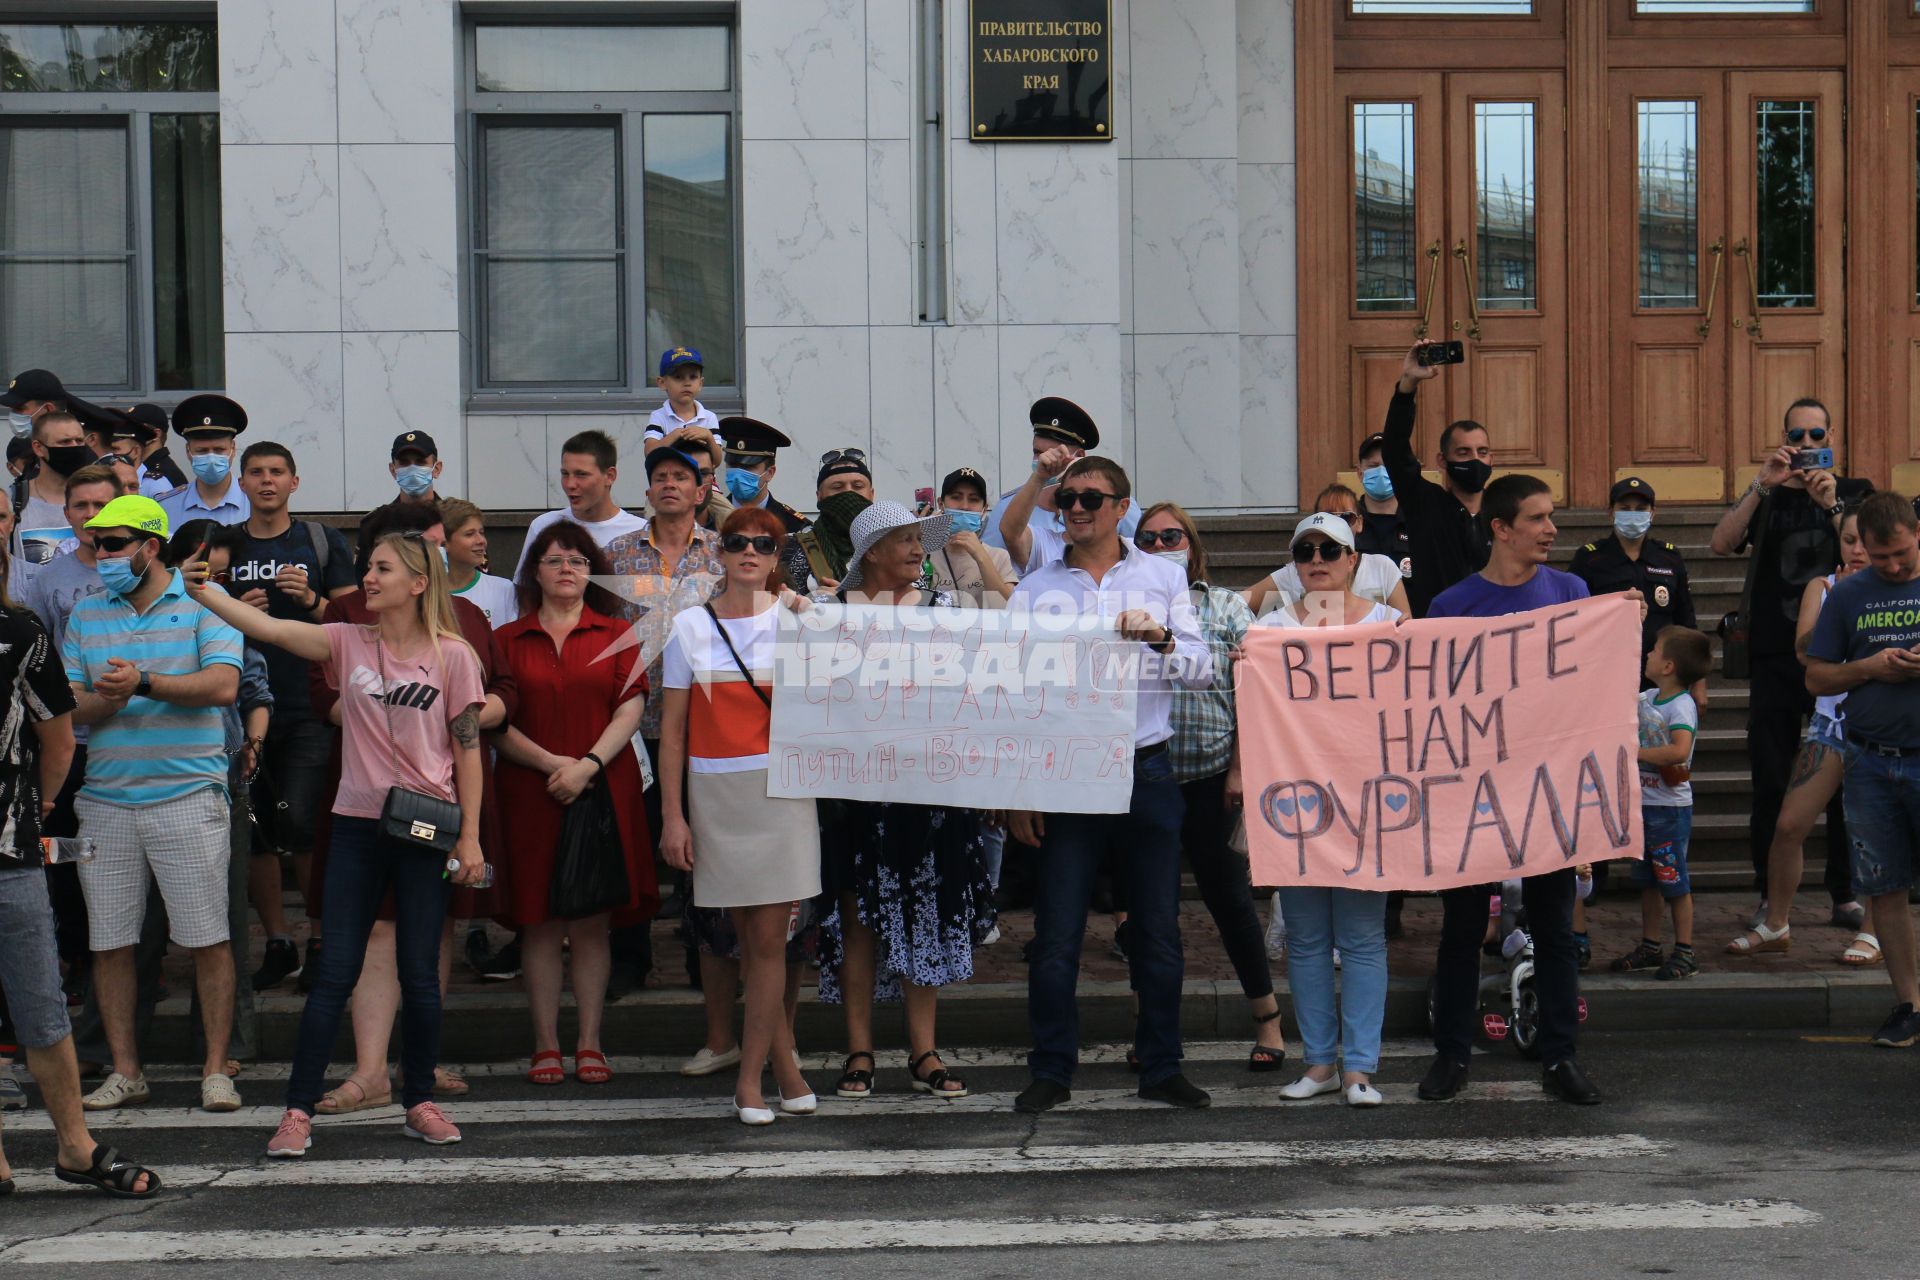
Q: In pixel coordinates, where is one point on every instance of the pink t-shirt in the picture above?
(419, 697)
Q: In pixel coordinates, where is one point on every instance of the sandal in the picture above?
(337, 1103)
(110, 1174)
(554, 1074)
(941, 1083)
(590, 1067)
(1760, 939)
(1864, 950)
(1264, 1058)
(450, 1084)
(855, 1084)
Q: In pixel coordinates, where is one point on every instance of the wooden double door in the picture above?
(1724, 279)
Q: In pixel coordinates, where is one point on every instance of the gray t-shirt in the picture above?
(42, 527)
(1863, 615)
(52, 591)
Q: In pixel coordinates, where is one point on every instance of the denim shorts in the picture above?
(1882, 795)
(1669, 828)
(29, 960)
(1826, 731)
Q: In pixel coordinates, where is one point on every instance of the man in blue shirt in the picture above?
(1519, 514)
(209, 424)
(1866, 645)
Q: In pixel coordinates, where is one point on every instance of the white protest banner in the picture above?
(978, 709)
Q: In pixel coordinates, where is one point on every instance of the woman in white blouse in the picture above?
(1375, 578)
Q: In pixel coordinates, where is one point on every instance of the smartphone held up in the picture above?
(1434, 353)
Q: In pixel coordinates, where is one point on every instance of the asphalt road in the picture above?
(1714, 1155)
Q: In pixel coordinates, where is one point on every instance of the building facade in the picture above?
(484, 220)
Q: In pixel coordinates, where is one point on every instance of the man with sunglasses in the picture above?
(1025, 521)
(1790, 517)
(1145, 598)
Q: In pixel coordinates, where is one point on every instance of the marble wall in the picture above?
(1150, 279)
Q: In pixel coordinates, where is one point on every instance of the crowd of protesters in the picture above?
(210, 691)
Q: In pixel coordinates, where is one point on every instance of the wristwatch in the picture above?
(1836, 509)
(145, 687)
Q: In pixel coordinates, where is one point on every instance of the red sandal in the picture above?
(554, 1074)
(590, 1067)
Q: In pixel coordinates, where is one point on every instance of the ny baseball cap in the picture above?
(1325, 522)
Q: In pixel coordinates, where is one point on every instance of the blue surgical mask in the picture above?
(1377, 483)
(743, 486)
(119, 575)
(967, 521)
(414, 481)
(1632, 525)
(22, 424)
(212, 468)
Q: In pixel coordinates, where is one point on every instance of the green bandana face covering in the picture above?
(835, 525)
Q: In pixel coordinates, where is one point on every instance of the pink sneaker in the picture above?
(426, 1123)
(291, 1140)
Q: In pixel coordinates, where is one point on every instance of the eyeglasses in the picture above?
(832, 456)
(1796, 434)
(1146, 540)
(735, 543)
(1351, 517)
(1305, 552)
(113, 545)
(575, 563)
(1088, 499)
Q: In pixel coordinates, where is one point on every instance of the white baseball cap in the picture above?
(1334, 526)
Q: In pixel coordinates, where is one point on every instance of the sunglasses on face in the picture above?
(1305, 552)
(735, 543)
(1796, 434)
(113, 545)
(832, 456)
(1090, 499)
(1168, 538)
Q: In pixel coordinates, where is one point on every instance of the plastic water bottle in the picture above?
(55, 849)
(486, 874)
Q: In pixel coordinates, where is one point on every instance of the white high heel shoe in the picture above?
(1307, 1087)
(752, 1115)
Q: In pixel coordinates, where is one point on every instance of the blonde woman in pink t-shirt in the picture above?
(411, 692)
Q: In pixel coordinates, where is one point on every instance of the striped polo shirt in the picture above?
(151, 751)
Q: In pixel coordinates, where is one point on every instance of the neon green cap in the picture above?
(132, 511)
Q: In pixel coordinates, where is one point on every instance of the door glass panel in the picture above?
(1669, 204)
(1447, 8)
(1783, 203)
(1505, 256)
(1383, 230)
(1723, 6)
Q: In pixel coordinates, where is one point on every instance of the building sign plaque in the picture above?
(1042, 70)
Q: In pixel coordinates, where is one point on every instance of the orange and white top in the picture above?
(727, 723)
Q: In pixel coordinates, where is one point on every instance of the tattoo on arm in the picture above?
(466, 729)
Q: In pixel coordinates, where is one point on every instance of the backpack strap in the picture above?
(318, 534)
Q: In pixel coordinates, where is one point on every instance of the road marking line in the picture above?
(1006, 1056)
(1835, 1039)
(344, 1244)
(727, 1165)
(611, 1110)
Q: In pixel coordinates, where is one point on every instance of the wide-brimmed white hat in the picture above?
(881, 519)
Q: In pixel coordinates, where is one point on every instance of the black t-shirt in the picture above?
(1384, 533)
(257, 566)
(1797, 545)
(1448, 543)
(36, 686)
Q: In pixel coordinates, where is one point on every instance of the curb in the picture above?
(484, 1026)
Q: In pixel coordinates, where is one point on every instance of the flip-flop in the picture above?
(1862, 951)
(336, 1102)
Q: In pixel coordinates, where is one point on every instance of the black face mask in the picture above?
(1470, 476)
(68, 458)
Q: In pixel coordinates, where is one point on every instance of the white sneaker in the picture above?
(1307, 1087)
(1362, 1094)
(993, 936)
(706, 1062)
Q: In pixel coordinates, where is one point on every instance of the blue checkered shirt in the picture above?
(1202, 742)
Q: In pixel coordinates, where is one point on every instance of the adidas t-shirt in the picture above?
(257, 565)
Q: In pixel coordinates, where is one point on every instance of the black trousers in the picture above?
(1549, 900)
(1778, 707)
(633, 944)
(1225, 881)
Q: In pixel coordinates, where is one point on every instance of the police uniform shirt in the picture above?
(1659, 575)
(794, 521)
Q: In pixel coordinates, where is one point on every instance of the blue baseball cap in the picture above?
(667, 453)
(679, 357)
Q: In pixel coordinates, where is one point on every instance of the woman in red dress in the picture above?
(581, 691)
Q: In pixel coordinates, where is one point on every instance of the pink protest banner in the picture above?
(1444, 751)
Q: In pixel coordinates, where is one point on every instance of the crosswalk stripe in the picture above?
(345, 1244)
(608, 1110)
(1091, 1055)
(715, 1166)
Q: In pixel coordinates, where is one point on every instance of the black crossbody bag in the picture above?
(412, 817)
(727, 640)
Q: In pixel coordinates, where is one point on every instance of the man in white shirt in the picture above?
(209, 424)
(1147, 601)
(589, 464)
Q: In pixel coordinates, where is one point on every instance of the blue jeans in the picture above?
(1883, 819)
(1146, 840)
(361, 864)
(1318, 920)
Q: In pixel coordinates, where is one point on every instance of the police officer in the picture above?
(1629, 559)
(751, 445)
(1058, 424)
(209, 424)
(160, 475)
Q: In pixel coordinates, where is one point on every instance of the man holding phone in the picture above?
(1445, 536)
(1790, 516)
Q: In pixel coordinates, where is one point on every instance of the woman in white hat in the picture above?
(908, 896)
(1319, 920)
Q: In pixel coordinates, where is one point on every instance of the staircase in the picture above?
(1241, 549)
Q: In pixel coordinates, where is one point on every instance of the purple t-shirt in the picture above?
(1475, 597)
